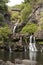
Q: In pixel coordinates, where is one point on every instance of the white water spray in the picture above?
(10, 49)
(15, 25)
(32, 44)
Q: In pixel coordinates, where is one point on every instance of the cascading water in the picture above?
(10, 49)
(15, 27)
(32, 46)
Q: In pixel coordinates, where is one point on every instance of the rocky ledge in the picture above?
(18, 62)
(39, 34)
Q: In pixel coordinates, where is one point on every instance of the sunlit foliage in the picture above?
(30, 28)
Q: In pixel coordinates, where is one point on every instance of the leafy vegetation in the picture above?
(30, 28)
(4, 34)
(3, 7)
(4, 31)
(26, 9)
(22, 13)
(25, 12)
(4, 28)
(14, 16)
(1, 18)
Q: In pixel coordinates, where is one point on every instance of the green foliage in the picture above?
(14, 15)
(3, 7)
(33, 2)
(41, 42)
(26, 1)
(3, 10)
(30, 28)
(5, 31)
(25, 12)
(1, 18)
(42, 26)
(4, 28)
(30, 1)
(21, 6)
(4, 34)
(5, 1)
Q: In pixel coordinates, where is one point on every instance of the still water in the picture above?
(11, 56)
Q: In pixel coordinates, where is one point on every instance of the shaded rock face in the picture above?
(36, 15)
(39, 34)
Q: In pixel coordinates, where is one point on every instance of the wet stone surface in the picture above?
(19, 62)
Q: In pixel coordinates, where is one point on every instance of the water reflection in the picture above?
(7, 56)
(32, 55)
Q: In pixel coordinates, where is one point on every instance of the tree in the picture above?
(3, 7)
(3, 10)
(26, 1)
(14, 16)
(33, 1)
(25, 12)
(4, 33)
(4, 28)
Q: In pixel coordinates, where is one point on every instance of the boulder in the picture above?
(39, 34)
(9, 63)
(18, 61)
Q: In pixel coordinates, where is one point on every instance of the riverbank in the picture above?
(19, 62)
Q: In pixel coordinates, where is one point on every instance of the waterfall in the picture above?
(15, 27)
(10, 49)
(32, 44)
(25, 48)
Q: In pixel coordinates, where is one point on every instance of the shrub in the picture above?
(30, 28)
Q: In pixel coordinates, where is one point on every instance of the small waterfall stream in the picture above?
(32, 44)
(10, 50)
(15, 27)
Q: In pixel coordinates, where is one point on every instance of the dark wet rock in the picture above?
(39, 34)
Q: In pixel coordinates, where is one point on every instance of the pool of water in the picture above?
(11, 56)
